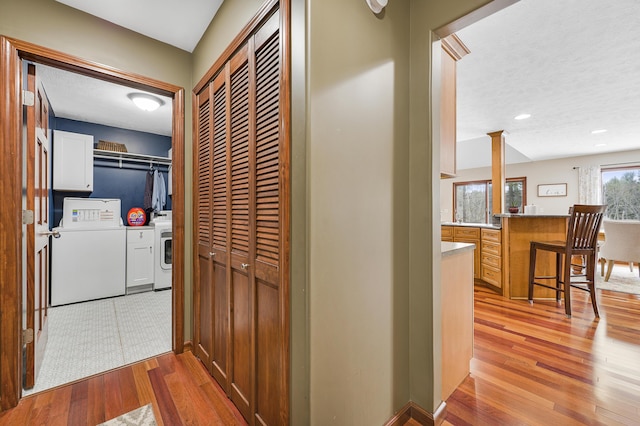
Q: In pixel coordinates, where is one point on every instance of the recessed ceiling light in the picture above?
(522, 116)
(595, 132)
(145, 102)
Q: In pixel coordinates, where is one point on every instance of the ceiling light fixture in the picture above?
(145, 101)
(595, 132)
(522, 116)
(600, 145)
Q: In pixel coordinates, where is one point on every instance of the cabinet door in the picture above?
(270, 182)
(241, 173)
(202, 291)
(220, 231)
(139, 264)
(466, 234)
(72, 161)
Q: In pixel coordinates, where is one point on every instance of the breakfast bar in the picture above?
(518, 231)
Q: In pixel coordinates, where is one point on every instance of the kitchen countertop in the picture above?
(449, 248)
(474, 225)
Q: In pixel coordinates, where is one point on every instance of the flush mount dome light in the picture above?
(522, 116)
(598, 131)
(145, 101)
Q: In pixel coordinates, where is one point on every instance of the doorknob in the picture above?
(244, 265)
(54, 233)
(211, 254)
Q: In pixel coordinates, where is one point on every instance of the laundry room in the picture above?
(108, 172)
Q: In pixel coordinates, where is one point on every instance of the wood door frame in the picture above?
(12, 52)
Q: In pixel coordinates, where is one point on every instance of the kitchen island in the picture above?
(501, 259)
(518, 230)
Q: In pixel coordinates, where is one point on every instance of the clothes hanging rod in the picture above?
(131, 157)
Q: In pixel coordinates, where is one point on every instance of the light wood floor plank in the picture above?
(532, 365)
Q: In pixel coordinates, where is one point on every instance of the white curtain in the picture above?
(589, 185)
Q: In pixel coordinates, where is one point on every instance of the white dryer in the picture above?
(163, 265)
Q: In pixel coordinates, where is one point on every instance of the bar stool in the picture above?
(582, 238)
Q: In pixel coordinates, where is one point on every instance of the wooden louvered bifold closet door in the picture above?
(238, 295)
(203, 297)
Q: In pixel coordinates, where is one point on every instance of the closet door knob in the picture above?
(211, 254)
(244, 265)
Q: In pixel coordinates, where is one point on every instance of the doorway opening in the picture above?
(108, 304)
(14, 52)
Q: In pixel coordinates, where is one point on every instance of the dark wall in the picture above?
(109, 180)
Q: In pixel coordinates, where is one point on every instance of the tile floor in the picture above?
(92, 337)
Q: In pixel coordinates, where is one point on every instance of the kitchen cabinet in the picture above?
(72, 161)
(452, 51)
(491, 256)
(447, 233)
(140, 257)
(468, 234)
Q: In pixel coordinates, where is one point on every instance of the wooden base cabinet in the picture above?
(468, 234)
(491, 256)
(241, 176)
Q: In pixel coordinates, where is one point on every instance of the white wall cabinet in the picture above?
(72, 161)
(140, 256)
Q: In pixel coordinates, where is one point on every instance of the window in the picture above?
(473, 201)
(621, 192)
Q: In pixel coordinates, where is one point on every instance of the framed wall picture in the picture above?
(552, 190)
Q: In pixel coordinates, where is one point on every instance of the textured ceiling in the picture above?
(574, 65)
(81, 98)
(178, 23)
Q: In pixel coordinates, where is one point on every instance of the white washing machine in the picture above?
(89, 257)
(163, 266)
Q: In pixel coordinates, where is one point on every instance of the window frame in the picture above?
(487, 183)
(635, 167)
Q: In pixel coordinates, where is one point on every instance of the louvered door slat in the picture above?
(267, 151)
(240, 160)
(220, 170)
(204, 175)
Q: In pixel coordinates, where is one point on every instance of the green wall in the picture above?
(232, 16)
(56, 26)
(358, 211)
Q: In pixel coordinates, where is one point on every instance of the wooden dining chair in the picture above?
(581, 243)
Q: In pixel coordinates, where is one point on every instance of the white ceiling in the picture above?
(81, 98)
(574, 65)
(164, 20)
(76, 97)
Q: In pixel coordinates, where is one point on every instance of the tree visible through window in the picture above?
(473, 201)
(621, 193)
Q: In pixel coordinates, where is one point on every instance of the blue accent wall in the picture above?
(109, 180)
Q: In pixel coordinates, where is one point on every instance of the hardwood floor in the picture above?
(180, 389)
(532, 365)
